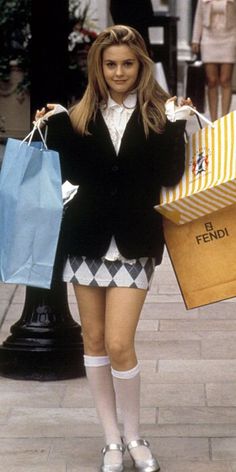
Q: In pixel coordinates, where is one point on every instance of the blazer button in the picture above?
(115, 168)
(113, 192)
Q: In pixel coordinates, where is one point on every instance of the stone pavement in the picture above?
(188, 403)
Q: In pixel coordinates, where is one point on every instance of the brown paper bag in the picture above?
(203, 254)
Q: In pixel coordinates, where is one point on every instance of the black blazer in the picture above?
(116, 194)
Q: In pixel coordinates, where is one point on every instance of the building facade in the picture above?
(182, 9)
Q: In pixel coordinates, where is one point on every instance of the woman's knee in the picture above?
(212, 81)
(119, 351)
(94, 344)
(225, 81)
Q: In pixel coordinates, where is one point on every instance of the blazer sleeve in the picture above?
(62, 138)
(171, 154)
(197, 24)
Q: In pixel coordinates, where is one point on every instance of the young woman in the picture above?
(118, 146)
(214, 33)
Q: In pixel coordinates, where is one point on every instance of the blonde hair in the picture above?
(151, 97)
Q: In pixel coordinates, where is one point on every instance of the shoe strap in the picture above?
(113, 447)
(136, 443)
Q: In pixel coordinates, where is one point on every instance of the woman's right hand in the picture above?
(195, 48)
(45, 112)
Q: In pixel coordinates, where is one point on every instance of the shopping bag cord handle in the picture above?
(201, 116)
(31, 134)
(199, 121)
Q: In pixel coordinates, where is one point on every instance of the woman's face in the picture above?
(120, 68)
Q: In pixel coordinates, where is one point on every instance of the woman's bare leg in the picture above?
(123, 309)
(212, 77)
(91, 303)
(226, 74)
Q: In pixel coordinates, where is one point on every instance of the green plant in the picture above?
(15, 39)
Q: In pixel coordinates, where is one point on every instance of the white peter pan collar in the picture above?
(129, 103)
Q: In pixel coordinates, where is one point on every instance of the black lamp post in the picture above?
(46, 343)
(49, 53)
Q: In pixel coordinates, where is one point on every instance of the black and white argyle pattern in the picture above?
(103, 273)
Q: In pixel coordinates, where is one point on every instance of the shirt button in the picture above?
(115, 168)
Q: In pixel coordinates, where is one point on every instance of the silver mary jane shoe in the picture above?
(113, 467)
(150, 465)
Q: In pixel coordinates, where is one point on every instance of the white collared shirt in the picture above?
(116, 118)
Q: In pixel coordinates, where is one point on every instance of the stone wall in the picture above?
(14, 108)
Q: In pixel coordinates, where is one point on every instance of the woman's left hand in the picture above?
(178, 111)
(186, 101)
(181, 102)
(45, 112)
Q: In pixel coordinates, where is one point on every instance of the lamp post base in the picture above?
(46, 343)
(41, 365)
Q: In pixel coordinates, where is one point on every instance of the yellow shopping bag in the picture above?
(209, 181)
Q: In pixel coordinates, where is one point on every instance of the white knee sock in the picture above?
(99, 376)
(127, 388)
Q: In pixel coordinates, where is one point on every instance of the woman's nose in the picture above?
(119, 70)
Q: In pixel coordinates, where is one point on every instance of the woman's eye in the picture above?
(128, 63)
(110, 64)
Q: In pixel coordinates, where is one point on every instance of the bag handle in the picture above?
(199, 115)
(172, 111)
(199, 121)
(37, 126)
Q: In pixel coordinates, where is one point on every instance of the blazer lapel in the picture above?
(133, 136)
(101, 134)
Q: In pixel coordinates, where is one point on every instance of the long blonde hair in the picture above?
(151, 97)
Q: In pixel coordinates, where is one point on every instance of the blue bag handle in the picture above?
(36, 127)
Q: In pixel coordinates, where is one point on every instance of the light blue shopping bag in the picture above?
(30, 212)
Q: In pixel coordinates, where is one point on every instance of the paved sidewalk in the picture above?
(188, 407)
(188, 404)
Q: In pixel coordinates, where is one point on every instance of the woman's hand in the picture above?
(186, 101)
(195, 48)
(44, 113)
(182, 101)
(175, 111)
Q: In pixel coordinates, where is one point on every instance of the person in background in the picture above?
(137, 14)
(214, 35)
(119, 147)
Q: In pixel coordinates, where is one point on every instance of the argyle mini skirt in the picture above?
(104, 273)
